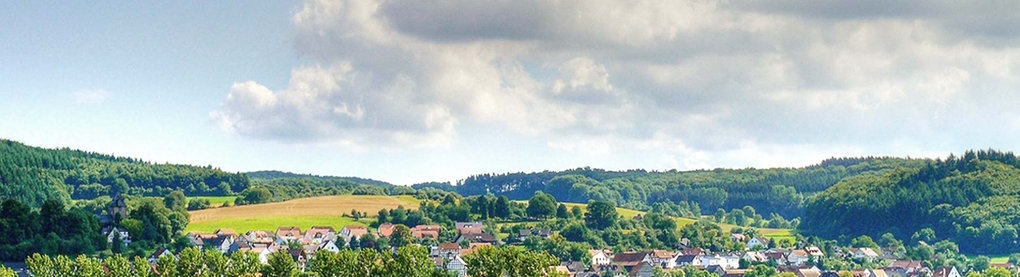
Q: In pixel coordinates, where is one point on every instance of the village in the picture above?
(302, 245)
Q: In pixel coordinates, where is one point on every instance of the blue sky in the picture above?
(407, 91)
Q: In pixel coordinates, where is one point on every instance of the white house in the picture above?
(328, 245)
(758, 242)
(864, 254)
(726, 261)
(755, 257)
(663, 259)
(797, 257)
(600, 257)
(349, 232)
(113, 232)
(159, 253)
(458, 266)
(946, 271)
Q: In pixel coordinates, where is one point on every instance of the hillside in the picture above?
(302, 212)
(971, 200)
(33, 174)
(273, 174)
(683, 193)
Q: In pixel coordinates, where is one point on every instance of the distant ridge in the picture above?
(276, 174)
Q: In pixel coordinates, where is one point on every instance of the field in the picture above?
(302, 212)
(627, 213)
(214, 201)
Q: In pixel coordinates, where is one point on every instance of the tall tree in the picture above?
(600, 215)
(541, 205)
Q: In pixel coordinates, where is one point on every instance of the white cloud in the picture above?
(714, 78)
(90, 96)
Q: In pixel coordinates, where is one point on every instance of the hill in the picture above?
(33, 174)
(971, 200)
(302, 212)
(683, 193)
(273, 174)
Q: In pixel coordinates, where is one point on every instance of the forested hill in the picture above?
(776, 190)
(32, 174)
(971, 200)
(273, 174)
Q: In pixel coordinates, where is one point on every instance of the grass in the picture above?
(270, 223)
(302, 212)
(214, 201)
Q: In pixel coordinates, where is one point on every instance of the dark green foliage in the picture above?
(600, 215)
(779, 190)
(32, 175)
(970, 199)
(541, 205)
(52, 230)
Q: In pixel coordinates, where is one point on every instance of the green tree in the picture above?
(577, 212)
(508, 261)
(175, 200)
(562, 212)
(141, 267)
(600, 215)
(998, 272)
(925, 235)
(166, 266)
(256, 195)
(215, 263)
(411, 261)
(762, 271)
(863, 241)
(980, 263)
(280, 264)
(502, 207)
(243, 264)
(118, 266)
(401, 236)
(7, 272)
(541, 205)
(40, 265)
(86, 266)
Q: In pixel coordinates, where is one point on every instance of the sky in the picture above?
(416, 91)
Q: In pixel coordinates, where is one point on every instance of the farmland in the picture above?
(302, 212)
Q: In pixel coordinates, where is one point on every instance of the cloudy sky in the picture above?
(413, 91)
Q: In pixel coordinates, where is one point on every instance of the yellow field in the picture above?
(323, 210)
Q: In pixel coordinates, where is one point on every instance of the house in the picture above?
(601, 257)
(349, 232)
(735, 273)
(446, 250)
(716, 269)
(877, 273)
(946, 271)
(118, 208)
(457, 266)
(469, 227)
(525, 233)
(159, 253)
(726, 261)
(797, 257)
(663, 259)
(758, 243)
(814, 252)
(285, 234)
(573, 267)
(259, 237)
(478, 238)
(737, 237)
(426, 231)
(318, 234)
(754, 257)
(385, 230)
(801, 271)
(864, 254)
(299, 257)
(219, 243)
(113, 232)
(328, 245)
(906, 267)
(627, 261)
(643, 269)
(225, 232)
(687, 260)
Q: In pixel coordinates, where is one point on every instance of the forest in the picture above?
(969, 199)
(775, 190)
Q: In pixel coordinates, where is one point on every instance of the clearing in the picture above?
(301, 212)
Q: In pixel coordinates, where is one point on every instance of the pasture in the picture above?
(302, 212)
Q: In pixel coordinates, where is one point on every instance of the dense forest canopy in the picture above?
(775, 190)
(32, 175)
(971, 199)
